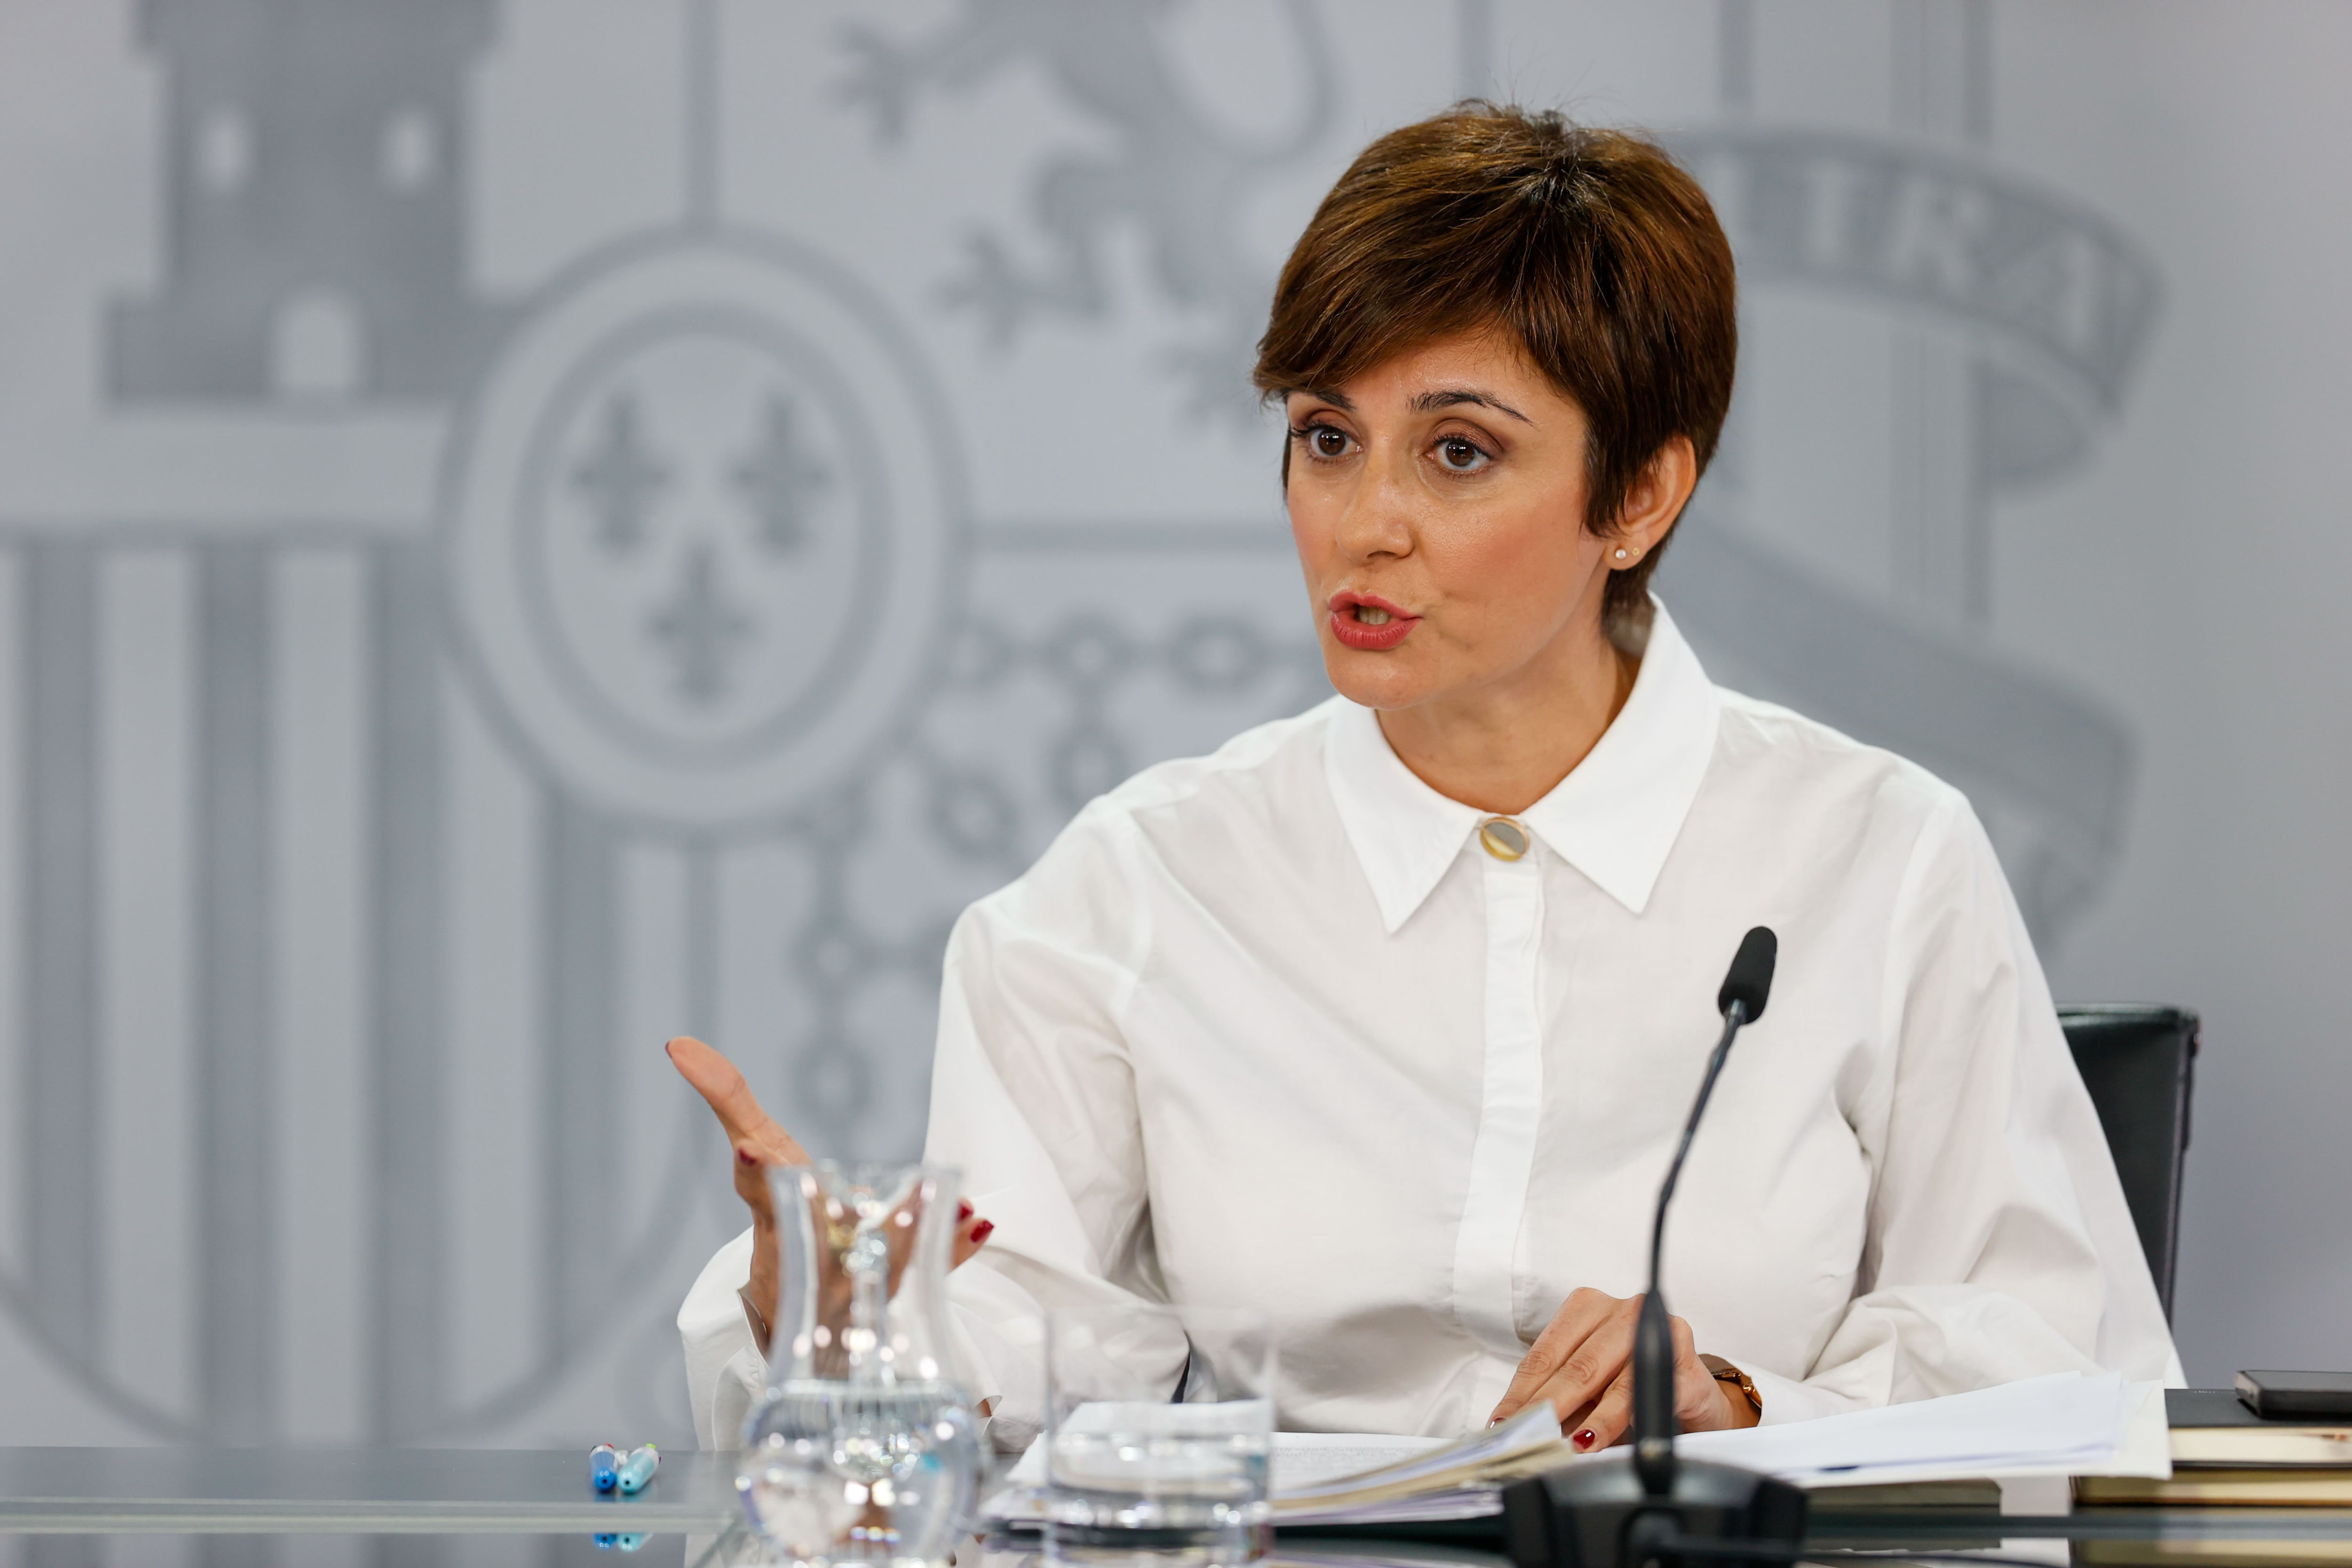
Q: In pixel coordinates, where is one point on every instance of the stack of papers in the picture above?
(2066, 1425)
(1358, 1478)
(1432, 1479)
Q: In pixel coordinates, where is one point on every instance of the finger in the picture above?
(1611, 1414)
(722, 1087)
(1579, 1420)
(1597, 1358)
(1584, 1311)
(971, 1233)
(752, 1181)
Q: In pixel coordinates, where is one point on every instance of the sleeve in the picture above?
(1033, 1097)
(1998, 1244)
(724, 1370)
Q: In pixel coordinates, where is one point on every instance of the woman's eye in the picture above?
(1461, 455)
(1328, 442)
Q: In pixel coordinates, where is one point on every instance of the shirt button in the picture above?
(1503, 838)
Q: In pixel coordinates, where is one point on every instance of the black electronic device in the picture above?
(2296, 1396)
(1652, 1506)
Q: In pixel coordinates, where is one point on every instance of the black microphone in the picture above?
(1655, 1509)
(1746, 988)
(1750, 981)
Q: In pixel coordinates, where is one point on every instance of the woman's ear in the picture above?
(1654, 502)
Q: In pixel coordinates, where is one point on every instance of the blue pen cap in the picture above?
(639, 1469)
(604, 1467)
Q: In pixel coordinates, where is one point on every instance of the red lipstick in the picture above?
(1387, 627)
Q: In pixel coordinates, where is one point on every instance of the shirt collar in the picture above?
(1615, 819)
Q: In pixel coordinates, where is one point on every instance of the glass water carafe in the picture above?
(865, 1448)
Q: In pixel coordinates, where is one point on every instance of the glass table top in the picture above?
(411, 1508)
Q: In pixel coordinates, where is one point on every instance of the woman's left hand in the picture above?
(1582, 1363)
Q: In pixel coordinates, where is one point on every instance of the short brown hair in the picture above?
(1592, 246)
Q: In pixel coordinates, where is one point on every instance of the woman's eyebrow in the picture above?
(1449, 397)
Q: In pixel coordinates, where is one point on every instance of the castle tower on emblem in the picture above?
(314, 203)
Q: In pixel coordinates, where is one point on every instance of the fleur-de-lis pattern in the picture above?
(717, 517)
(782, 478)
(619, 480)
(700, 627)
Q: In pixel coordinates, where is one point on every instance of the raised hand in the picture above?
(1582, 1364)
(759, 1142)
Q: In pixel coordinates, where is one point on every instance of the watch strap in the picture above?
(1723, 1370)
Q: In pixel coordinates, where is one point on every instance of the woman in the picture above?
(1384, 1017)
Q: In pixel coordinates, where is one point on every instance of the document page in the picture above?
(1309, 1461)
(2065, 1424)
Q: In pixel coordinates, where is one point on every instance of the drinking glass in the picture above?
(1158, 1423)
(864, 1447)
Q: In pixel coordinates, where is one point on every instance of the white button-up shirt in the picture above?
(1271, 1027)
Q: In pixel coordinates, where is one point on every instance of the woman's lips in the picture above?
(1368, 622)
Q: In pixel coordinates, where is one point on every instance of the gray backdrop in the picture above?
(527, 526)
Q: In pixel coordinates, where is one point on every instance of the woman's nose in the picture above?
(1379, 518)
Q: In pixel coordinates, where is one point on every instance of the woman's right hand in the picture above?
(759, 1143)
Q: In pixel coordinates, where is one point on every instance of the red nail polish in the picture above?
(1584, 1439)
(980, 1232)
(963, 1211)
(745, 1155)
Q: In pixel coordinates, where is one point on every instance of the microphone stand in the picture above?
(1653, 1339)
(1652, 1507)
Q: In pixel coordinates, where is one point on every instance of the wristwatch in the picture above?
(1723, 1370)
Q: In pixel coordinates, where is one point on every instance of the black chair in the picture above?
(2140, 1064)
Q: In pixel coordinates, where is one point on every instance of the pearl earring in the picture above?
(1621, 553)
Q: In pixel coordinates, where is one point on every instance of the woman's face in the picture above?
(1438, 504)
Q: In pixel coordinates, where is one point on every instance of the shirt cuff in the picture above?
(724, 1371)
(997, 1332)
(1787, 1400)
